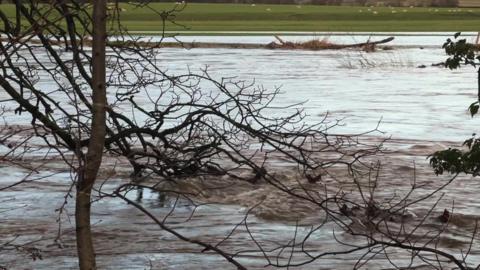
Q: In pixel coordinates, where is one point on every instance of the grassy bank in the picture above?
(236, 17)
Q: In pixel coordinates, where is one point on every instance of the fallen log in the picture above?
(368, 43)
(325, 45)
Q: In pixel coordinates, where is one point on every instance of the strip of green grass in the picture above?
(237, 17)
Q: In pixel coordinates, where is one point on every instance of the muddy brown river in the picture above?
(421, 109)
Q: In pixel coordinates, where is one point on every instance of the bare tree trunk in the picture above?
(88, 172)
(18, 19)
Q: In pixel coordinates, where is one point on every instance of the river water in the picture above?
(422, 109)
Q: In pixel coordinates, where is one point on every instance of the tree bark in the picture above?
(93, 159)
(18, 20)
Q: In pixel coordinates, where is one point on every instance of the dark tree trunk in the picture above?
(18, 19)
(88, 172)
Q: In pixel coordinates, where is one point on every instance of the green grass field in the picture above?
(236, 17)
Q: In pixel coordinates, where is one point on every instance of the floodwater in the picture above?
(422, 109)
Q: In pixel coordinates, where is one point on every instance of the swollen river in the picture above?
(421, 106)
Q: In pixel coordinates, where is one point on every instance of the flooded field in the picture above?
(420, 106)
(361, 88)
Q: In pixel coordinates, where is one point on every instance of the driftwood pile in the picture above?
(323, 44)
(312, 45)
